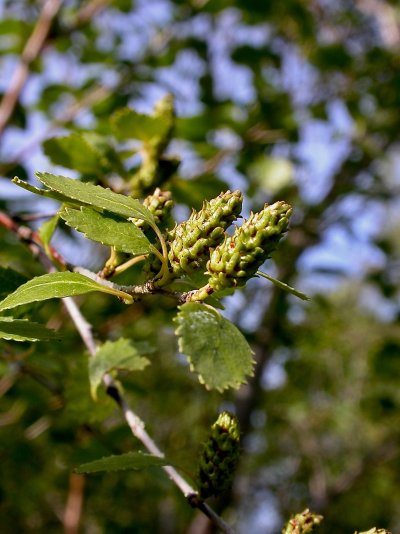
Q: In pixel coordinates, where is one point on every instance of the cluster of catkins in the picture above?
(201, 242)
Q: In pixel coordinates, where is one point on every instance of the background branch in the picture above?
(29, 54)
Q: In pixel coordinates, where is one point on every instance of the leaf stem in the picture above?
(133, 261)
(164, 273)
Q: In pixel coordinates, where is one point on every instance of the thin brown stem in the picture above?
(73, 508)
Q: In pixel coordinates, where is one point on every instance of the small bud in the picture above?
(220, 457)
(160, 204)
(190, 241)
(239, 256)
(302, 523)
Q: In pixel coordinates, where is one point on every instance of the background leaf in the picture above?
(121, 354)
(129, 124)
(107, 229)
(10, 280)
(215, 348)
(122, 462)
(24, 330)
(73, 152)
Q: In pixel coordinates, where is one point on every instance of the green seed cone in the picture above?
(220, 457)
(190, 241)
(302, 523)
(239, 256)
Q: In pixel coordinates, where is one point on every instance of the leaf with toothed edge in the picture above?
(121, 354)
(96, 196)
(216, 350)
(24, 330)
(107, 229)
(56, 285)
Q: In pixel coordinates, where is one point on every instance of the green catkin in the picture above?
(302, 523)
(219, 457)
(191, 241)
(239, 256)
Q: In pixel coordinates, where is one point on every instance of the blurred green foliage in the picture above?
(320, 418)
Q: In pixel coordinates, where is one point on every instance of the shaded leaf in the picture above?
(24, 330)
(121, 354)
(73, 152)
(47, 230)
(129, 124)
(122, 462)
(215, 348)
(97, 196)
(56, 285)
(107, 229)
(10, 280)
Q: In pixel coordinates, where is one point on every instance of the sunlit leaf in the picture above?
(56, 285)
(96, 196)
(107, 229)
(215, 348)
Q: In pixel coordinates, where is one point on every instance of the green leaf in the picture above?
(56, 285)
(43, 192)
(283, 286)
(96, 196)
(74, 152)
(121, 354)
(122, 462)
(10, 280)
(24, 330)
(107, 229)
(215, 348)
(129, 124)
(47, 230)
(80, 408)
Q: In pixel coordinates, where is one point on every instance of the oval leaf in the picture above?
(24, 330)
(121, 462)
(215, 348)
(107, 229)
(97, 196)
(56, 285)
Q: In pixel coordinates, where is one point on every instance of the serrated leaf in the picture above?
(73, 152)
(107, 229)
(129, 124)
(122, 462)
(96, 196)
(10, 280)
(216, 350)
(43, 192)
(56, 285)
(24, 330)
(121, 354)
